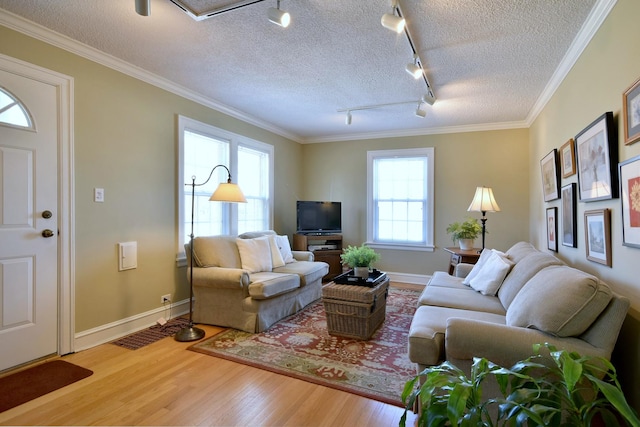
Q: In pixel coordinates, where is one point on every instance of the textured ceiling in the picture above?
(489, 61)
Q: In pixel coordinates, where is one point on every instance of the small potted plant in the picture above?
(360, 258)
(465, 232)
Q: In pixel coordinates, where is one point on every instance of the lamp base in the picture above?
(189, 333)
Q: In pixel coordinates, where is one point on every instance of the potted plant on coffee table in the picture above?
(360, 258)
(465, 232)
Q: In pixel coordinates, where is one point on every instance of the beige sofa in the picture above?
(251, 281)
(540, 300)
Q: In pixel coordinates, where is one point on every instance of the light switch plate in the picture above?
(98, 195)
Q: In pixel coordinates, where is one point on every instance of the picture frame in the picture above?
(597, 234)
(569, 223)
(568, 158)
(552, 229)
(631, 113)
(629, 173)
(597, 157)
(550, 176)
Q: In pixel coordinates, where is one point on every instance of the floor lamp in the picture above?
(226, 192)
(483, 201)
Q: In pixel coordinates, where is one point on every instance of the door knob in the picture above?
(47, 214)
(47, 233)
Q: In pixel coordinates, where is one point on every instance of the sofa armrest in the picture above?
(220, 277)
(462, 269)
(502, 344)
(302, 255)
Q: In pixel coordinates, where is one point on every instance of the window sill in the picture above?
(401, 247)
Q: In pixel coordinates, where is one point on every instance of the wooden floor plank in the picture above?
(163, 384)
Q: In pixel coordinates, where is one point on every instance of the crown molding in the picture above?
(37, 31)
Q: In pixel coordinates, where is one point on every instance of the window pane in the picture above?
(253, 179)
(201, 155)
(12, 111)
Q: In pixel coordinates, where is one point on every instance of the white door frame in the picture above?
(66, 222)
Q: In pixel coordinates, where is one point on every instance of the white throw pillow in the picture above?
(492, 274)
(285, 249)
(276, 255)
(255, 254)
(484, 255)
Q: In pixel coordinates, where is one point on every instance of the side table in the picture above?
(468, 256)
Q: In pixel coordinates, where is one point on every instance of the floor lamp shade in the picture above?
(484, 201)
(226, 192)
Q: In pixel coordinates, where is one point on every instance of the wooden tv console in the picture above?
(302, 242)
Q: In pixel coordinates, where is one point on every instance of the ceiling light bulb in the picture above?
(420, 113)
(347, 120)
(414, 70)
(279, 17)
(392, 22)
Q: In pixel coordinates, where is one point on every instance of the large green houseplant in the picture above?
(360, 258)
(571, 391)
(465, 232)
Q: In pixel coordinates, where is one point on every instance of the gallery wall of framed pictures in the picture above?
(591, 156)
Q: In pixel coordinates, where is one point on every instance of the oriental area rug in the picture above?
(300, 347)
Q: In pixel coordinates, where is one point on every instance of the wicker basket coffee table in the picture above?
(355, 311)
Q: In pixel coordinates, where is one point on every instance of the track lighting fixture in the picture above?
(279, 17)
(347, 120)
(393, 22)
(413, 68)
(420, 112)
(143, 7)
(428, 98)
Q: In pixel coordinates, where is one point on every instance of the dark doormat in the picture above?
(151, 334)
(26, 385)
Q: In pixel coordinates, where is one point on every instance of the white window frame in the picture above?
(428, 152)
(235, 141)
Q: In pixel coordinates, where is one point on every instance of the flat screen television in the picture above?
(319, 217)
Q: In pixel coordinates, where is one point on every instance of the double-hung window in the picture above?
(400, 202)
(201, 148)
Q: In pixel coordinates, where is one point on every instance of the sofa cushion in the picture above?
(427, 330)
(493, 272)
(445, 280)
(276, 255)
(520, 250)
(255, 254)
(308, 271)
(265, 285)
(522, 272)
(559, 300)
(466, 299)
(216, 251)
(484, 256)
(285, 249)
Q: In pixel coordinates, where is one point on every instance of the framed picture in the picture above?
(552, 229)
(569, 224)
(629, 172)
(568, 158)
(597, 232)
(597, 157)
(550, 176)
(631, 113)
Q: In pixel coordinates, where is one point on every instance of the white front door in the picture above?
(29, 215)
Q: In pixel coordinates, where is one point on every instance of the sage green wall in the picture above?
(337, 171)
(125, 142)
(607, 67)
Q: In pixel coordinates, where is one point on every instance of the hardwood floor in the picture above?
(164, 384)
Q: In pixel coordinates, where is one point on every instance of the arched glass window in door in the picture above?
(13, 112)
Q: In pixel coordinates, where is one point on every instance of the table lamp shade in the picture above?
(483, 201)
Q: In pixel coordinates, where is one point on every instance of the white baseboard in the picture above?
(414, 279)
(112, 331)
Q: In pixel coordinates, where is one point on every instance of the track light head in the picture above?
(414, 70)
(392, 22)
(143, 7)
(427, 98)
(347, 119)
(420, 113)
(279, 17)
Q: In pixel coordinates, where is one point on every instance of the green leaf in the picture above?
(617, 399)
